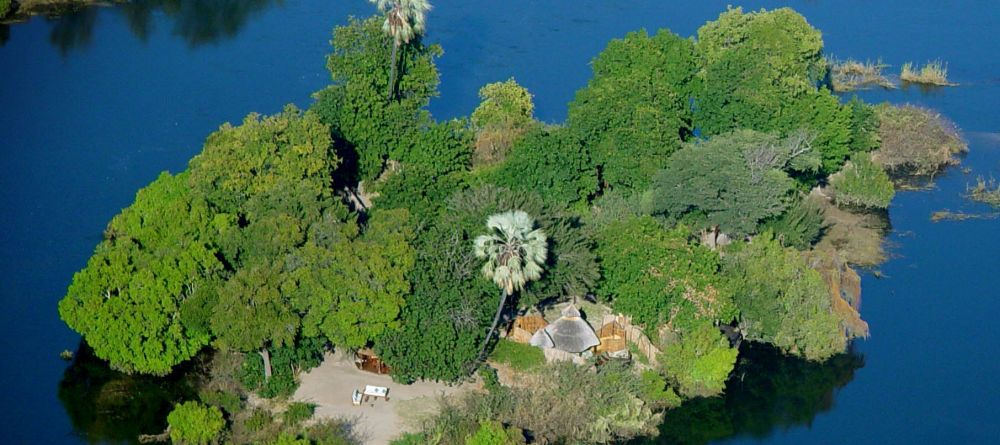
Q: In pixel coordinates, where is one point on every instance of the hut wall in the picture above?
(553, 355)
(634, 335)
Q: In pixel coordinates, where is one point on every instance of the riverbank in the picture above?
(23, 10)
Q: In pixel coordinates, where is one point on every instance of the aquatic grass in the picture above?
(933, 73)
(946, 215)
(851, 75)
(985, 191)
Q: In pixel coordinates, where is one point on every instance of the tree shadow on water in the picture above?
(107, 406)
(767, 392)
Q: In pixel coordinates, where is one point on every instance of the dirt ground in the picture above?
(378, 421)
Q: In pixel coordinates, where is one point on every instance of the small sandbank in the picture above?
(377, 422)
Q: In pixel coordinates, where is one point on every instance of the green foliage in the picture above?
(127, 301)
(760, 71)
(503, 105)
(4, 7)
(635, 111)
(195, 424)
(862, 184)
(447, 312)
(552, 163)
(492, 432)
(430, 171)
(654, 390)
(657, 276)
(916, 141)
(297, 413)
(700, 362)
(864, 126)
(519, 356)
(349, 287)
(369, 128)
(733, 181)
(800, 226)
(782, 300)
(286, 362)
(290, 439)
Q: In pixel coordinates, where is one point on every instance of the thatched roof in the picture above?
(570, 333)
(530, 323)
(541, 339)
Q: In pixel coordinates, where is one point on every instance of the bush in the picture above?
(916, 141)
(4, 8)
(700, 362)
(298, 412)
(654, 390)
(491, 432)
(519, 356)
(862, 184)
(286, 363)
(194, 423)
(800, 226)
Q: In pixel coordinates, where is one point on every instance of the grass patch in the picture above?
(519, 356)
(297, 413)
(984, 191)
(933, 73)
(851, 75)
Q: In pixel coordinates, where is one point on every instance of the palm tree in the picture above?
(404, 20)
(514, 251)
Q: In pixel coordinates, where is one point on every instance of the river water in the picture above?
(95, 104)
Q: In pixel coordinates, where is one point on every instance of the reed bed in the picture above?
(933, 73)
(851, 75)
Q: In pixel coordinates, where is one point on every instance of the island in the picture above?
(509, 281)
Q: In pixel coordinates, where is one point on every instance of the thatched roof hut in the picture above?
(524, 327)
(569, 333)
(612, 337)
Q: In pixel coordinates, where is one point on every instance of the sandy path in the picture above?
(331, 384)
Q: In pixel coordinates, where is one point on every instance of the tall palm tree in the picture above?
(404, 20)
(515, 252)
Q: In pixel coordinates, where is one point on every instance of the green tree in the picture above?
(762, 71)
(635, 111)
(515, 252)
(551, 162)
(404, 21)
(800, 226)
(782, 300)
(733, 181)
(156, 254)
(504, 114)
(195, 424)
(253, 314)
(368, 129)
(700, 361)
(350, 286)
(861, 183)
(491, 432)
(659, 277)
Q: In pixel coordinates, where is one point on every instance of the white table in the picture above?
(376, 391)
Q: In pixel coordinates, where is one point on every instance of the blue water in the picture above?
(93, 106)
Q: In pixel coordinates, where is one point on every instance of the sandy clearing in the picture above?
(331, 384)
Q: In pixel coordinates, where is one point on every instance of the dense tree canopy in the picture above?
(127, 301)
(762, 71)
(782, 301)
(195, 424)
(635, 111)
(733, 181)
(658, 277)
(370, 129)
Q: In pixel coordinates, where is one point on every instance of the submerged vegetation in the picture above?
(933, 73)
(363, 222)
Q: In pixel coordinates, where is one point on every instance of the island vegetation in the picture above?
(698, 189)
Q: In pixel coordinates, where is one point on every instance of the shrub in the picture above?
(519, 356)
(800, 226)
(933, 73)
(654, 390)
(700, 361)
(194, 423)
(916, 141)
(298, 412)
(4, 8)
(862, 184)
(491, 432)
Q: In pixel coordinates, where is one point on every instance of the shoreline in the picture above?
(24, 10)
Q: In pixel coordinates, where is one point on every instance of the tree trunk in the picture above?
(264, 354)
(496, 321)
(392, 69)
